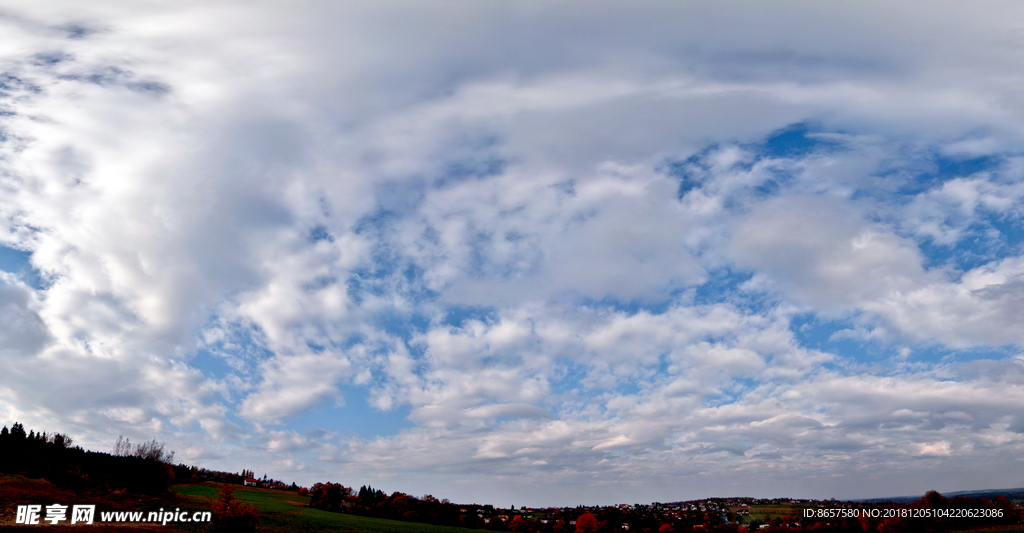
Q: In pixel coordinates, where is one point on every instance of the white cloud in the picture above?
(22, 331)
(825, 255)
(295, 384)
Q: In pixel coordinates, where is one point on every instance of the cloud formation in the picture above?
(623, 253)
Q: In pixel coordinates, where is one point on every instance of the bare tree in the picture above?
(123, 447)
(153, 450)
(148, 450)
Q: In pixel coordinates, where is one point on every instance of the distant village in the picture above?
(711, 514)
(146, 468)
(738, 514)
(663, 517)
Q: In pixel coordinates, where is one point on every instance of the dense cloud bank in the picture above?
(522, 250)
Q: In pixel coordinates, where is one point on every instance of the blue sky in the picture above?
(522, 253)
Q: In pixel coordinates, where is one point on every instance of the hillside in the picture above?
(20, 490)
(1015, 495)
(287, 511)
(280, 511)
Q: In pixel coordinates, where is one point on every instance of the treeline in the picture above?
(656, 519)
(144, 468)
(398, 506)
(368, 501)
(52, 456)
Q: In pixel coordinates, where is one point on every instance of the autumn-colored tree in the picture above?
(329, 496)
(586, 523)
(932, 500)
(894, 525)
(231, 515)
(429, 508)
(1011, 515)
(402, 506)
(868, 523)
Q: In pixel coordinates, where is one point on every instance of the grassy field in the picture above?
(280, 511)
(765, 512)
(287, 511)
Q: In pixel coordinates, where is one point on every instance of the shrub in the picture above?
(231, 515)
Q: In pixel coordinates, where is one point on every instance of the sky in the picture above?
(522, 252)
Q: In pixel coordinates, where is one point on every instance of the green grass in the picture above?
(765, 512)
(287, 511)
